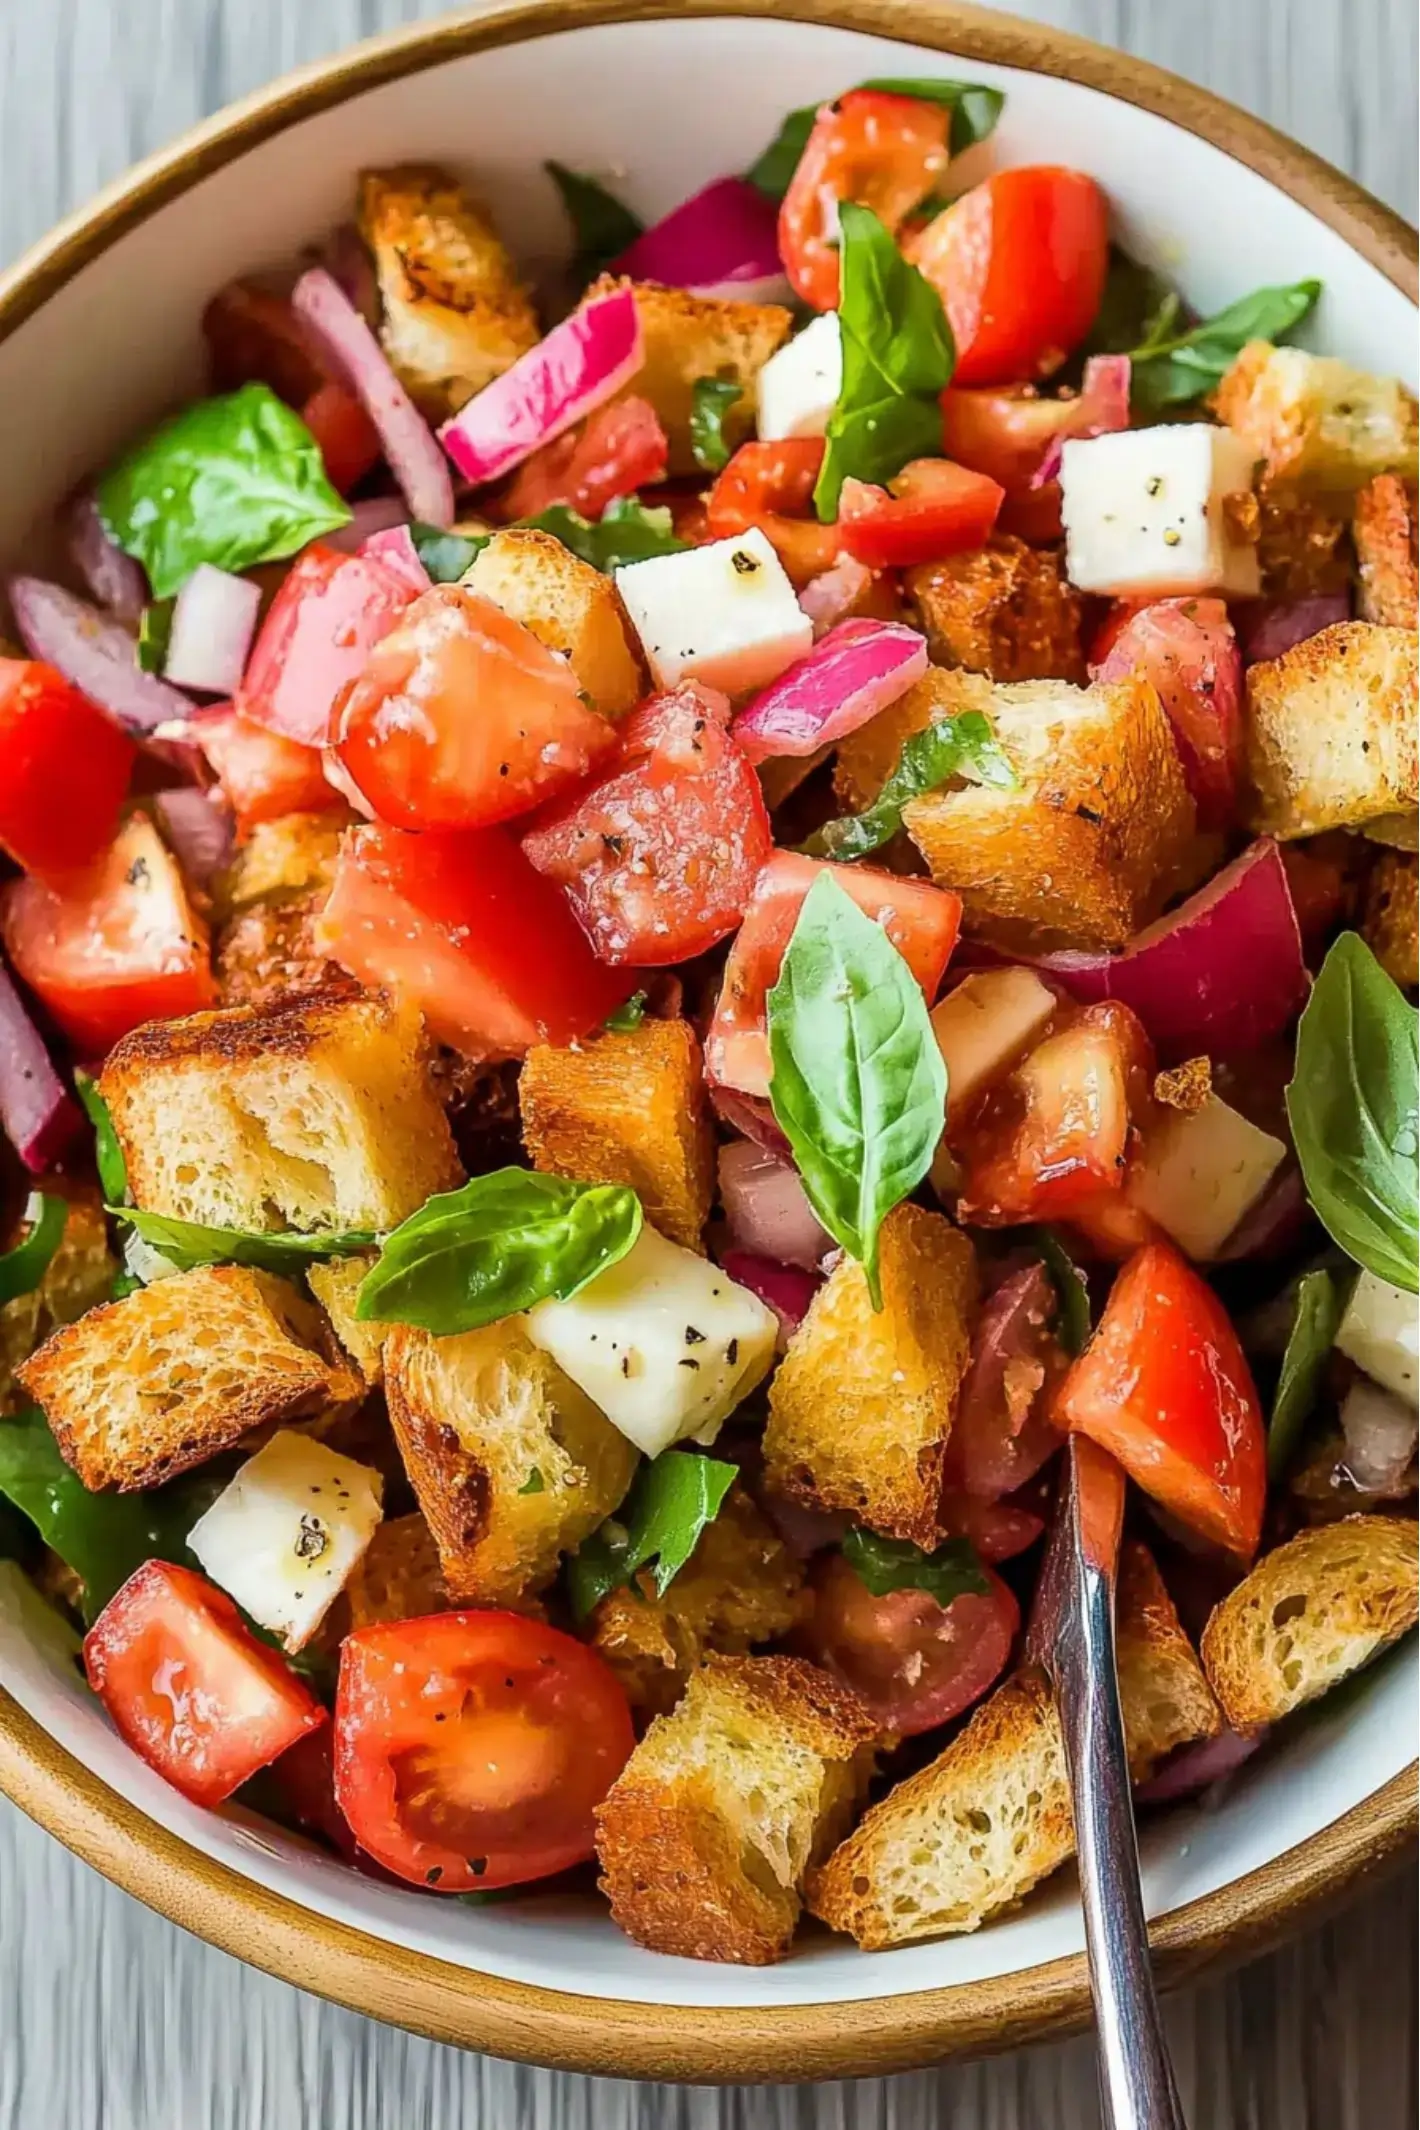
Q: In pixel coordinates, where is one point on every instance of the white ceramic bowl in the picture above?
(98, 334)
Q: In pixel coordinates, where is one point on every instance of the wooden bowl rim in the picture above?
(520, 2020)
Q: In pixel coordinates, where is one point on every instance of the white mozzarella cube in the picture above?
(284, 1537)
(1200, 1171)
(664, 1342)
(1145, 515)
(1379, 1333)
(724, 614)
(798, 388)
(985, 1026)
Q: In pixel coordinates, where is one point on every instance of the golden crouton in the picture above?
(1301, 543)
(139, 1390)
(569, 606)
(512, 1465)
(1314, 420)
(398, 1576)
(281, 860)
(1331, 731)
(990, 1817)
(627, 1108)
(78, 1277)
(1388, 916)
(1005, 610)
(1310, 1614)
(706, 1835)
(740, 1586)
(315, 1113)
(862, 1403)
(269, 953)
(689, 337)
(336, 1282)
(865, 759)
(455, 313)
(1384, 532)
(1099, 832)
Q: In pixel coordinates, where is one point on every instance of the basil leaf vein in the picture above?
(883, 1565)
(974, 111)
(951, 746)
(672, 1499)
(186, 1244)
(22, 1268)
(711, 401)
(602, 228)
(1168, 372)
(1316, 1319)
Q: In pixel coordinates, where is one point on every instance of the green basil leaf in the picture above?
(108, 1154)
(1170, 372)
(1353, 1110)
(1138, 308)
(185, 1244)
(446, 555)
(898, 357)
(534, 1483)
(886, 1564)
(22, 1268)
(627, 531)
(1072, 1321)
(858, 1085)
(232, 481)
(671, 1501)
(962, 746)
(974, 109)
(711, 399)
(601, 227)
(124, 1284)
(628, 1016)
(155, 629)
(496, 1246)
(1316, 1320)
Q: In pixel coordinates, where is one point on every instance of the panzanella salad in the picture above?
(651, 936)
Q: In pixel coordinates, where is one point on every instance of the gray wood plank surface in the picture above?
(111, 2019)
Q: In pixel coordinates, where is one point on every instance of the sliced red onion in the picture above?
(1103, 406)
(851, 674)
(38, 1113)
(831, 597)
(750, 1116)
(395, 548)
(197, 829)
(214, 620)
(346, 258)
(1001, 1435)
(353, 352)
(94, 651)
(768, 1208)
(375, 514)
(1198, 1766)
(579, 365)
(1270, 627)
(115, 579)
(1381, 1433)
(786, 1289)
(723, 241)
(1274, 1223)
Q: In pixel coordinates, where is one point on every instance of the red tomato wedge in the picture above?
(772, 486)
(1019, 263)
(1187, 648)
(262, 775)
(914, 1663)
(190, 1687)
(64, 771)
(618, 450)
(886, 152)
(464, 926)
(921, 921)
(473, 1748)
(121, 947)
(349, 441)
(660, 858)
(462, 718)
(932, 508)
(256, 338)
(331, 611)
(1006, 434)
(1164, 1387)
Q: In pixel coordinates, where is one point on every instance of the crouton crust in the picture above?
(1316, 421)
(627, 1108)
(1332, 731)
(569, 606)
(1006, 610)
(1302, 547)
(268, 953)
(1165, 1698)
(1310, 1614)
(862, 1403)
(1388, 916)
(281, 860)
(398, 1576)
(1384, 531)
(865, 759)
(336, 1282)
(688, 337)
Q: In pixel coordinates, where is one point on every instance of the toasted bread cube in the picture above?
(741, 1586)
(1331, 731)
(865, 759)
(1302, 547)
(627, 1108)
(1005, 610)
(455, 313)
(398, 1576)
(512, 1465)
(336, 1284)
(78, 1277)
(970, 1834)
(270, 952)
(317, 1112)
(688, 337)
(706, 1835)
(863, 1401)
(569, 606)
(1388, 916)
(1098, 833)
(281, 861)
(1315, 420)
(140, 1390)
(1310, 1614)
(1384, 531)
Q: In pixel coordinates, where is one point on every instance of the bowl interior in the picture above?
(656, 108)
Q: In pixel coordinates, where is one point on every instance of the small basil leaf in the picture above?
(1137, 309)
(670, 1503)
(772, 171)
(962, 746)
(1315, 1322)
(1352, 1106)
(22, 1268)
(898, 357)
(1072, 1320)
(108, 1154)
(446, 555)
(627, 531)
(974, 112)
(711, 400)
(124, 1284)
(1168, 372)
(883, 1565)
(534, 1483)
(185, 1244)
(155, 629)
(601, 227)
(495, 1247)
(858, 1085)
(628, 1016)
(233, 481)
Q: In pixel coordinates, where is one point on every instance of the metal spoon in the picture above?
(1071, 1637)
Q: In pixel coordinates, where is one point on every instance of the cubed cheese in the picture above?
(1378, 1333)
(724, 614)
(798, 388)
(985, 1026)
(284, 1537)
(1199, 1172)
(663, 1342)
(1145, 512)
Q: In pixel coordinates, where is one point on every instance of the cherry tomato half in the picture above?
(932, 508)
(349, 441)
(263, 775)
(914, 1663)
(64, 770)
(772, 486)
(619, 449)
(885, 152)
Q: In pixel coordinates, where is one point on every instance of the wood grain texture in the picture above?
(111, 2019)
